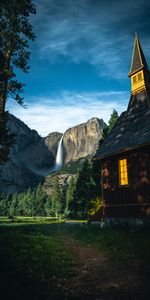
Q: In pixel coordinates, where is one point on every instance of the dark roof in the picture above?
(138, 58)
(132, 128)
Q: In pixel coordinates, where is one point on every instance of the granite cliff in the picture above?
(29, 159)
(32, 157)
(82, 140)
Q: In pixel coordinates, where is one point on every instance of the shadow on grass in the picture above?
(35, 261)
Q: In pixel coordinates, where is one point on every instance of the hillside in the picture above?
(29, 159)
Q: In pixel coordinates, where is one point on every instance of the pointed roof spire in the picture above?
(138, 59)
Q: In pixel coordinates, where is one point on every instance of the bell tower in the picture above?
(139, 72)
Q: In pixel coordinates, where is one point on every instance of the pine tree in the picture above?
(15, 34)
(85, 189)
(3, 205)
(25, 203)
(70, 194)
(56, 200)
(48, 206)
(40, 198)
(13, 206)
(112, 121)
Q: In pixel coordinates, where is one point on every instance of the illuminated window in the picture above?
(134, 79)
(123, 172)
(139, 76)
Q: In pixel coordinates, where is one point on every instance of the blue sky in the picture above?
(80, 61)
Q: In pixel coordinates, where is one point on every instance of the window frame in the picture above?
(119, 169)
(135, 81)
(139, 76)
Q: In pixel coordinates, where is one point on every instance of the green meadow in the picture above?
(43, 258)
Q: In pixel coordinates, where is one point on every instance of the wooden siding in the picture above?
(132, 200)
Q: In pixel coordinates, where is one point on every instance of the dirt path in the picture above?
(99, 278)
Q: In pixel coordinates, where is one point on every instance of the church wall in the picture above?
(132, 200)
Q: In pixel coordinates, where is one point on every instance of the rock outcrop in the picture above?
(30, 159)
(52, 140)
(62, 179)
(83, 139)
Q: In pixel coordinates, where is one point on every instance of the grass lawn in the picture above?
(45, 259)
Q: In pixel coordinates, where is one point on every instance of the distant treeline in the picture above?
(74, 201)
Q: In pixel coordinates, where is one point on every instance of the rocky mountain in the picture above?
(52, 140)
(32, 157)
(29, 159)
(82, 140)
(78, 141)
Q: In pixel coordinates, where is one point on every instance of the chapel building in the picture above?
(124, 156)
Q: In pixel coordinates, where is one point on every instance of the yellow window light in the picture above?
(123, 172)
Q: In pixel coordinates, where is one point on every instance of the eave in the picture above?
(134, 72)
(123, 150)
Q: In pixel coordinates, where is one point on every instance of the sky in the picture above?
(80, 61)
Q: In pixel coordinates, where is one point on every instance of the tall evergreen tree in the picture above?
(56, 200)
(70, 194)
(40, 198)
(15, 34)
(48, 206)
(112, 121)
(85, 189)
(13, 206)
(3, 205)
(25, 205)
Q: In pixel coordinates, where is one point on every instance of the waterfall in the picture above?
(59, 155)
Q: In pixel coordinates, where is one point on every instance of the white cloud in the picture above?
(67, 109)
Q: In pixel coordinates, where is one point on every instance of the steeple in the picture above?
(139, 72)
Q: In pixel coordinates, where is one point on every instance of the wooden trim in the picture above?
(139, 52)
(134, 72)
(122, 151)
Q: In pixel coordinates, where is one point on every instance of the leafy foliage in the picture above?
(70, 194)
(28, 203)
(71, 200)
(74, 166)
(85, 189)
(95, 205)
(112, 121)
(56, 200)
(15, 34)
(4, 205)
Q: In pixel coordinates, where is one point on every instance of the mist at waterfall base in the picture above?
(58, 162)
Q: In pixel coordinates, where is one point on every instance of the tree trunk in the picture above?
(2, 106)
(3, 95)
